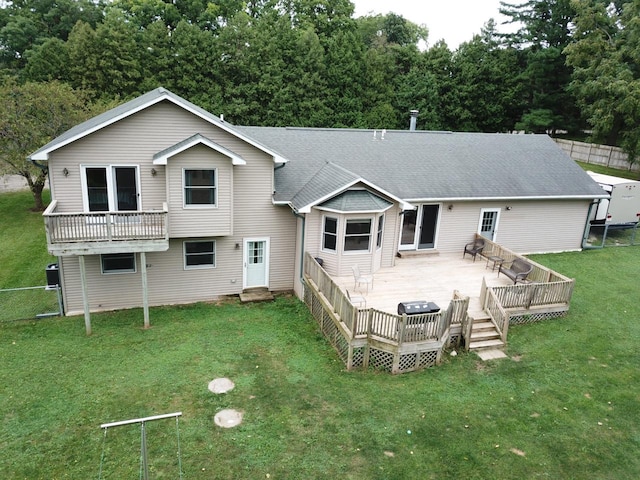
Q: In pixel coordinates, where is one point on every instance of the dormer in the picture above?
(199, 186)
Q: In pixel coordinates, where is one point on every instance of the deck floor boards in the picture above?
(428, 277)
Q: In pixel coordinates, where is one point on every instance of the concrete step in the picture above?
(256, 295)
(490, 354)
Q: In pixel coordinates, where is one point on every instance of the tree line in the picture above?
(571, 66)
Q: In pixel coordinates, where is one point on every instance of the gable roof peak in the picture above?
(133, 106)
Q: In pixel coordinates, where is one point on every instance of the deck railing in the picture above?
(104, 226)
(368, 321)
(364, 336)
(498, 314)
(543, 287)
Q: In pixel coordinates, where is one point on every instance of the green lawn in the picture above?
(565, 405)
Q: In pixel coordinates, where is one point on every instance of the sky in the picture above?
(455, 21)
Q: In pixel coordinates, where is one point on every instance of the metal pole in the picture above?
(143, 453)
(59, 293)
(140, 420)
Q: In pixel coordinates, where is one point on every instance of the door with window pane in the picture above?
(111, 189)
(489, 223)
(419, 227)
(256, 263)
(126, 188)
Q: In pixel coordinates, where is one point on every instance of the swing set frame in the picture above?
(144, 462)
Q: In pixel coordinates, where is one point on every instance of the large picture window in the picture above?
(330, 234)
(357, 237)
(200, 254)
(200, 187)
(118, 263)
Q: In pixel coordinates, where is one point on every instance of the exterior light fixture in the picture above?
(65, 172)
(153, 172)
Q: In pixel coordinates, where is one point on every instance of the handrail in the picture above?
(73, 227)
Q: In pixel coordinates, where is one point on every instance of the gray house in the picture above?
(160, 202)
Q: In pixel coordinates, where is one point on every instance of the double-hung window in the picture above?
(200, 254)
(118, 263)
(200, 188)
(330, 234)
(357, 235)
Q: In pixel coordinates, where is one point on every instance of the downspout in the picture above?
(587, 229)
(304, 223)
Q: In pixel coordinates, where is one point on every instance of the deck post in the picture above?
(145, 293)
(85, 295)
(367, 347)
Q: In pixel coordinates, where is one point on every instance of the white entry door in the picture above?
(488, 226)
(256, 262)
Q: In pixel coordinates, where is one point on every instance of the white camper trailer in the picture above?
(623, 205)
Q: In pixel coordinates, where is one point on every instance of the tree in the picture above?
(30, 116)
(24, 24)
(544, 34)
(487, 85)
(606, 76)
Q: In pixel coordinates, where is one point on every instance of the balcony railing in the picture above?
(80, 227)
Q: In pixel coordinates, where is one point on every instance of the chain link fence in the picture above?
(27, 303)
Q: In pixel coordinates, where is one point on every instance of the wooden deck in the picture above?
(430, 277)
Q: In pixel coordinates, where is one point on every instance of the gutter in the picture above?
(475, 199)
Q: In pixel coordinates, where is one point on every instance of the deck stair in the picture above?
(484, 335)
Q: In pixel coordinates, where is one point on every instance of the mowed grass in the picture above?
(564, 405)
(23, 258)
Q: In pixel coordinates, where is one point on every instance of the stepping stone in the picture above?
(221, 385)
(491, 354)
(228, 418)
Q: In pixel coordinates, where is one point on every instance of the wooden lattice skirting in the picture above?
(360, 353)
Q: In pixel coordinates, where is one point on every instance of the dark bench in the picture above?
(517, 271)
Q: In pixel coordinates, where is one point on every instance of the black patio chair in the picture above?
(474, 248)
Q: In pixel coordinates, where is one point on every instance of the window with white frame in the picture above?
(379, 233)
(357, 235)
(200, 187)
(118, 263)
(199, 254)
(330, 234)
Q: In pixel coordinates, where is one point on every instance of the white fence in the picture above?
(595, 154)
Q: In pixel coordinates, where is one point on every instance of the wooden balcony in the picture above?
(82, 233)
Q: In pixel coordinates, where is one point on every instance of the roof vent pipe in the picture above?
(413, 120)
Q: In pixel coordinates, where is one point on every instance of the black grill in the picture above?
(417, 307)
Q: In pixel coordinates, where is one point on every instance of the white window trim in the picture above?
(344, 236)
(118, 272)
(215, 190)
(380, 231)
(111, 184)
(337, 234)
(198, 267)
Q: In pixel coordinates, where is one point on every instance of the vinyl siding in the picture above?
(168, 281)
(204, 221)
(245, 210)
(529, 227)
(134, 140)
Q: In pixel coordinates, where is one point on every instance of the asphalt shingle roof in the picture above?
(357, 201)
(420, 165)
